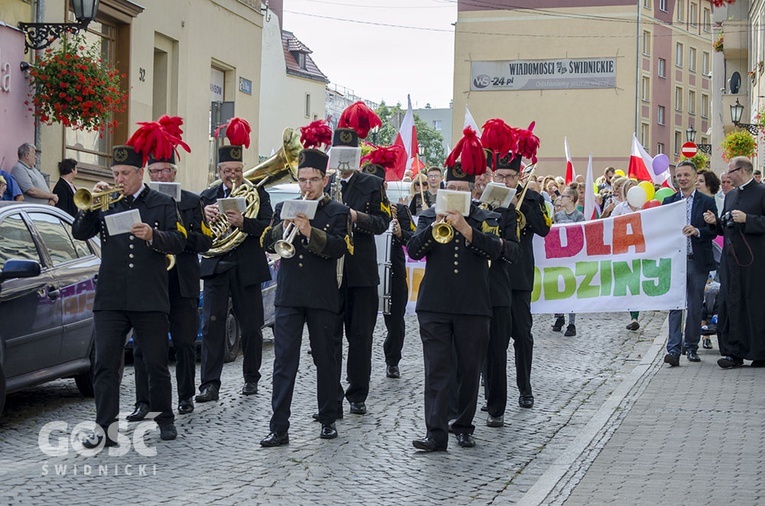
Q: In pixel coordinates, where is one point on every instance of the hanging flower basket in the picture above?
(700, 160)
(759, 120)
(720, 3)
(717, 45)
(738, 143)
(73, 87)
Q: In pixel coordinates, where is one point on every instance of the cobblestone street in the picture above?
(217, 456)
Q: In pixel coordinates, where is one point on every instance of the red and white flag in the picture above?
(407, 138)
(470, 122)
(641, 166)
(570, 172)
(590, 209)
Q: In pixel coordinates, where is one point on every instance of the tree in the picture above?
(427, 137)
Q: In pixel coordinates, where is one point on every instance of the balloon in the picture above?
(636, 197)
(595, 189)
(660, 164)
(619, 172)
(649, 189)
(663, 193)
(651, 203)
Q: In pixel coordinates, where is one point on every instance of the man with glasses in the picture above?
(236, 274)
(184, 297)
(307, 294)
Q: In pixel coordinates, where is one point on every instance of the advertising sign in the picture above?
(553, 74)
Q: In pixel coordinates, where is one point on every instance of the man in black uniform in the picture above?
(132, 292)
(370, 214)
(454, 311)
(307, 293)
(237, 273)
(522, 280)
(184, 297)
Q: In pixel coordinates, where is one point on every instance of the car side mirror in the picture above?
(20, 269)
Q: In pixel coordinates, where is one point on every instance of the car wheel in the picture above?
(84, 380)
(233, 336)
(2, 389)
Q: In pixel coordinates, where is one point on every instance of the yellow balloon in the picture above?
(619, 172)
(595, 189)
(649, 189)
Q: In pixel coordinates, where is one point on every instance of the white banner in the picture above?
(552, 74)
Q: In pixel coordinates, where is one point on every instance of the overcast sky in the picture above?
(381, 49)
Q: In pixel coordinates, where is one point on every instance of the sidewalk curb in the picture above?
(576, 459)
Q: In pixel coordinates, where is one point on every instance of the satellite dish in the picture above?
(735, 82)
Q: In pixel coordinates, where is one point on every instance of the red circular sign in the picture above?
(689, 150)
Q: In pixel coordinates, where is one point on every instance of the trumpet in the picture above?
(284, 247)
(443, 232)
(87, 200)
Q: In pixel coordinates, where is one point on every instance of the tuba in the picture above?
(279, 167)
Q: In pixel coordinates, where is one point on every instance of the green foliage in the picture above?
(427, 137)
(738, 143)
(700, 160)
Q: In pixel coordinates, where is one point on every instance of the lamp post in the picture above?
(374, 134)
(690, 136)
(736, 110)
(42, 35)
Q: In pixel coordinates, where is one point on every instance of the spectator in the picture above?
(623, 207)
(417, 190)
(608, 175)
(707, 182)
(65, 188)
(612, 197)
(12, 190)
(30, 179)
(757, 175)
(568, 214)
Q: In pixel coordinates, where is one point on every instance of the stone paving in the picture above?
(217, 456)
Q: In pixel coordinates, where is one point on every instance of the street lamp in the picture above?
(42, 35)
(736, 110)
(690, 136)
(374, 131)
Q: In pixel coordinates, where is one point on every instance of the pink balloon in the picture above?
(660, 163)
(651, 203)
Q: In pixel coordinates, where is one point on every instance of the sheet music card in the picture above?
(449, 200)
(121, 223)
(171, 189)
(498, 195)
(290, 208)
(232, 204)
(344, 158)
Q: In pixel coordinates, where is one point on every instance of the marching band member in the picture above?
(307, 293)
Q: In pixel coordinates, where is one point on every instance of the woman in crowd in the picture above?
(568, 213)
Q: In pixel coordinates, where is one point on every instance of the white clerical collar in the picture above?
(746, 184)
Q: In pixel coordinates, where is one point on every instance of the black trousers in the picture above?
(183, 329)
(359, 313)
(394, 322)
(150, 336)
(288, 335)
(449, 341)
(523, 341)
(495, 368)
(248, 308)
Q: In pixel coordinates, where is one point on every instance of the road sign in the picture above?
(689, 150)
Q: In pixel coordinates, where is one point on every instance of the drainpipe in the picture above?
(638, 61)
(39, 14)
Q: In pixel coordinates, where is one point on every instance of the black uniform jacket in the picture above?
(457, 273)
(537, 222)
(499, 273)
(133, 273)
(405, 221)
(365, 194)
(249, 256)
(65, 197)
(198, 240)
(309, 279)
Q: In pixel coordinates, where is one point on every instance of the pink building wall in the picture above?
(17, 124)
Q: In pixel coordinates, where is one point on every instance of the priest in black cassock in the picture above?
(742, 282)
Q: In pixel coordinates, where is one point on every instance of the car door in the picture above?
(75, 267)
(30, 308)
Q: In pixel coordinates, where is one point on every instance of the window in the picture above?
(643, 133)
(56, 238)
(693, 14)
(691, 102)
(704, 106)
(660, 115)
(678, 142)
(707, 20)
(300, 57)
(692, 59)
(678, 98)
(679, 55)
(17, 241)
(659, 148)
(662, 67)
(437, 124)
(705, 68)
(645, 89)
(307, 105)
(663, 5)
(647, 4)
(680, 8)
(646, 42)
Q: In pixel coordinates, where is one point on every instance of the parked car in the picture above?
(47, 286)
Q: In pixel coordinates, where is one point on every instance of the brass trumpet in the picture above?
(284, 247)
(443, 232)
(87, 200)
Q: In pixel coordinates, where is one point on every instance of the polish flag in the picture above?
(590, 208)
(641, 163)
(470, 122)
(570, 172)
(406, 138)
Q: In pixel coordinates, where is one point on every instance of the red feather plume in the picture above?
(387, 156)
(528, 143)
(469, 152)
(152, 139)
(499, 137)
(360, 118)
(316, 134)
(237, 131)
(172, 126)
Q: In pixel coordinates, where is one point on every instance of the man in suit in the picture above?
(370, 214)
(184, 297)
(700, 262)
(132, 292)
(64, 187)
(307, 293)
(237, 273)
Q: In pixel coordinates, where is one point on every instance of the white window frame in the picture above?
(678, 99)
(692, 102)
(645, 90)
(692, 53)
(663, 5)
(662, 68)
(704, 105)
(693, 14)
(679, 48)
(661, 115)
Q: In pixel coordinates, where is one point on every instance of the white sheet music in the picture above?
(291, 208)
(232, 204)
(121, 223)
(450, 200)
(498, 195)
(172, 189)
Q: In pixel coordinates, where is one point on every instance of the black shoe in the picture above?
(207, 393)
(358, 408)
(139, 413)
(250, 388)
(465, 440)
(693, 356)
(526, 401)
(392, 372)
(559, 322)
(495, 421)
(706, 343)
(95, 440)
(730, 362)
(338, 416)
(275, 439)
(570, 330)
(633, 326)
(757, 363)
(328, 431)
(672, 360)
(485, 407)
(167, 431)
(186, 406)
(427, 444)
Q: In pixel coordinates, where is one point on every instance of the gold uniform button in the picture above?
(300, 256)
(456, 255)
(132, 237)
(132, 246)
(300, 265)
(456, 263)
(130, 265)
